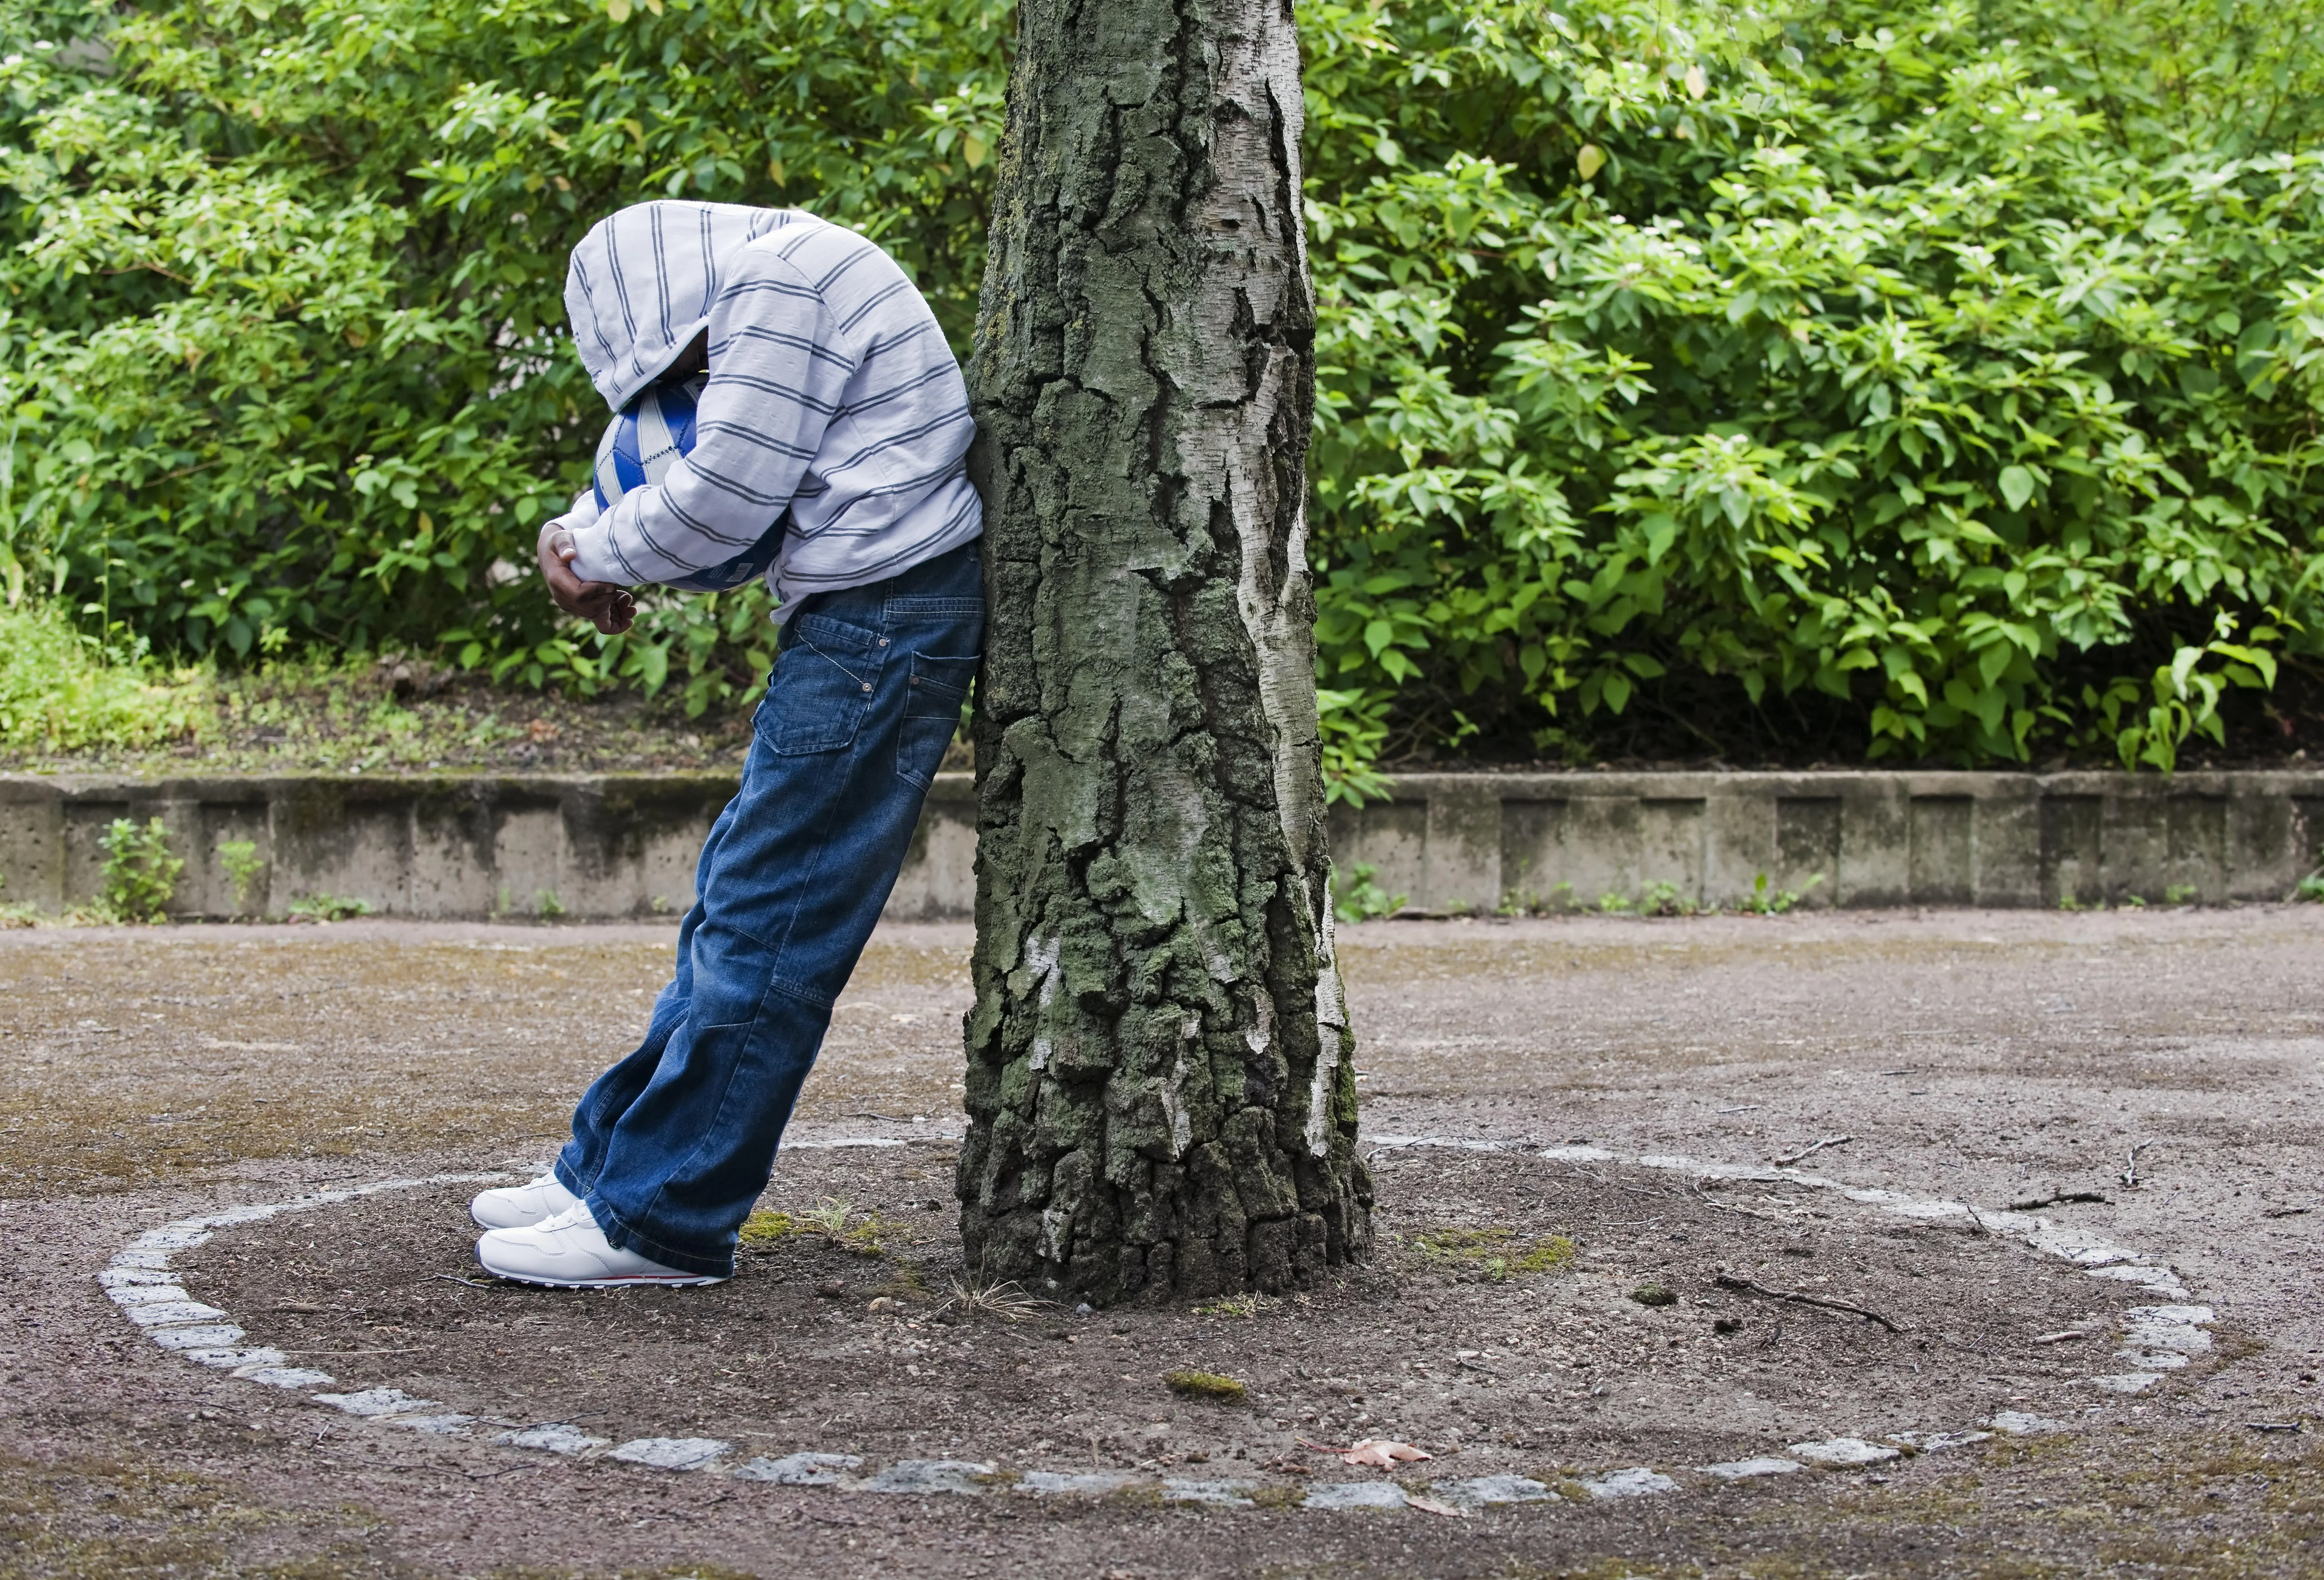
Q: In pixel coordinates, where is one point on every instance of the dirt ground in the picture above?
(1992, 1059)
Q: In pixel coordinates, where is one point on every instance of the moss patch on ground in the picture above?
(1491, 1253)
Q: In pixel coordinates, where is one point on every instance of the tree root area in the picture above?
(1525, 1316)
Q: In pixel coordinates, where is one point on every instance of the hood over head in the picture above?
(641, 286)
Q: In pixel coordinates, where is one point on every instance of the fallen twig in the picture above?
(469, 1283)
(2063, 1198)
(1728, 1281)
(2130, 1179)
(2272, 1426)
(2060, 1337)
(1813, 1148)
(1431, 1506)
(1764, 1218)
(2284, 1211)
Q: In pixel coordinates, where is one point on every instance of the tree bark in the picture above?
(1160, 1089)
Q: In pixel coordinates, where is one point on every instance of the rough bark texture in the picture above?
(1160, 1089)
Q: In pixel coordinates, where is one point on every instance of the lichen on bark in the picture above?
(1160, 1091)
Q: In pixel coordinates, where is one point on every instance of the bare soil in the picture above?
(1990, 1058)
(816, 1345)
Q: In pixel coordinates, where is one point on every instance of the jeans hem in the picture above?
(623, 1236)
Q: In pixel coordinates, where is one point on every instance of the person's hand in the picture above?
(609, 608)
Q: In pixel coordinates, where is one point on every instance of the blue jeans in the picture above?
(672, 1145)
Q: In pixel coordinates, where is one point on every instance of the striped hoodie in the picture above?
(833, 403)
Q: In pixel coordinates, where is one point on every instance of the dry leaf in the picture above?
(1431, 1506)
(1382, 1451)
(1697, 82)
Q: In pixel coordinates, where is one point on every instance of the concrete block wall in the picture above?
(1476, 841)
(624, 845)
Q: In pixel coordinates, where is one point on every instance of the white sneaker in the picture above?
(517, 1207)
(569, 1252)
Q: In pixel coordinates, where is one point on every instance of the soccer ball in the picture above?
(641, 444)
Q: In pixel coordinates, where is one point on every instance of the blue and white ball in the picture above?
(643, 442)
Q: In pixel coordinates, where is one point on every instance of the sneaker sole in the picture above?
(609, 1282)
(649, 1279)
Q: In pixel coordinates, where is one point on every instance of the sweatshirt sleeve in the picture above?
(777, 370)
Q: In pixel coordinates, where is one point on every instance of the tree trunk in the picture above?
(1160, 1090)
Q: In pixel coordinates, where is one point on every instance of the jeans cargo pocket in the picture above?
(821, 687)
(932, 704)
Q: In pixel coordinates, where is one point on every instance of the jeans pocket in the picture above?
(933, 699)
(821, 687)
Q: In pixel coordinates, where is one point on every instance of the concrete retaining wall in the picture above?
(624, 845)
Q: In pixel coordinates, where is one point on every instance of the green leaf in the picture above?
(2016, 486)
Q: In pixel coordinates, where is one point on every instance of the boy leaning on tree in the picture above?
(833, 407)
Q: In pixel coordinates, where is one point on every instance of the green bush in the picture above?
(61, 690)
(1870, 377)
(1843, 378)
(141, 871)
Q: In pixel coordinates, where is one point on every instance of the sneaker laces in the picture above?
(577, 1213)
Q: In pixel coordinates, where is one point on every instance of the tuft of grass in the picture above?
(63, 690)
(1654, 1294)
(328, 907)
(1214, 1386)
(835, 1220)
(1496, 1253)
(1249, 1305)
(1006, 1300)
(243, 869)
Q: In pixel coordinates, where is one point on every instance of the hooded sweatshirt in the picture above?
(833, 405)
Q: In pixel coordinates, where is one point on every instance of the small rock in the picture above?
(1095, 1484)
(175, 1313)
(376, 1402)
(1653, 1294)
(1838, 1451)
(208, 1335)
(2127, 1381)
(1745, 1469)
(962, 1476)
(2017, 1423)
(1354, 1495)
(799, 1470)
(670, 1453)
(1084, 1309)
(1479, 1490)
(1727, 1325)
(1935, 1442)
(1226, 1494)
(233, 1360)
(440, 1425)
(830, 1289)
(287, 1377)
(149, 1294)
(1637, 1481)
(552, 1438)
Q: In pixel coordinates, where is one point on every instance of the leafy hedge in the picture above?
(1850, 378)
